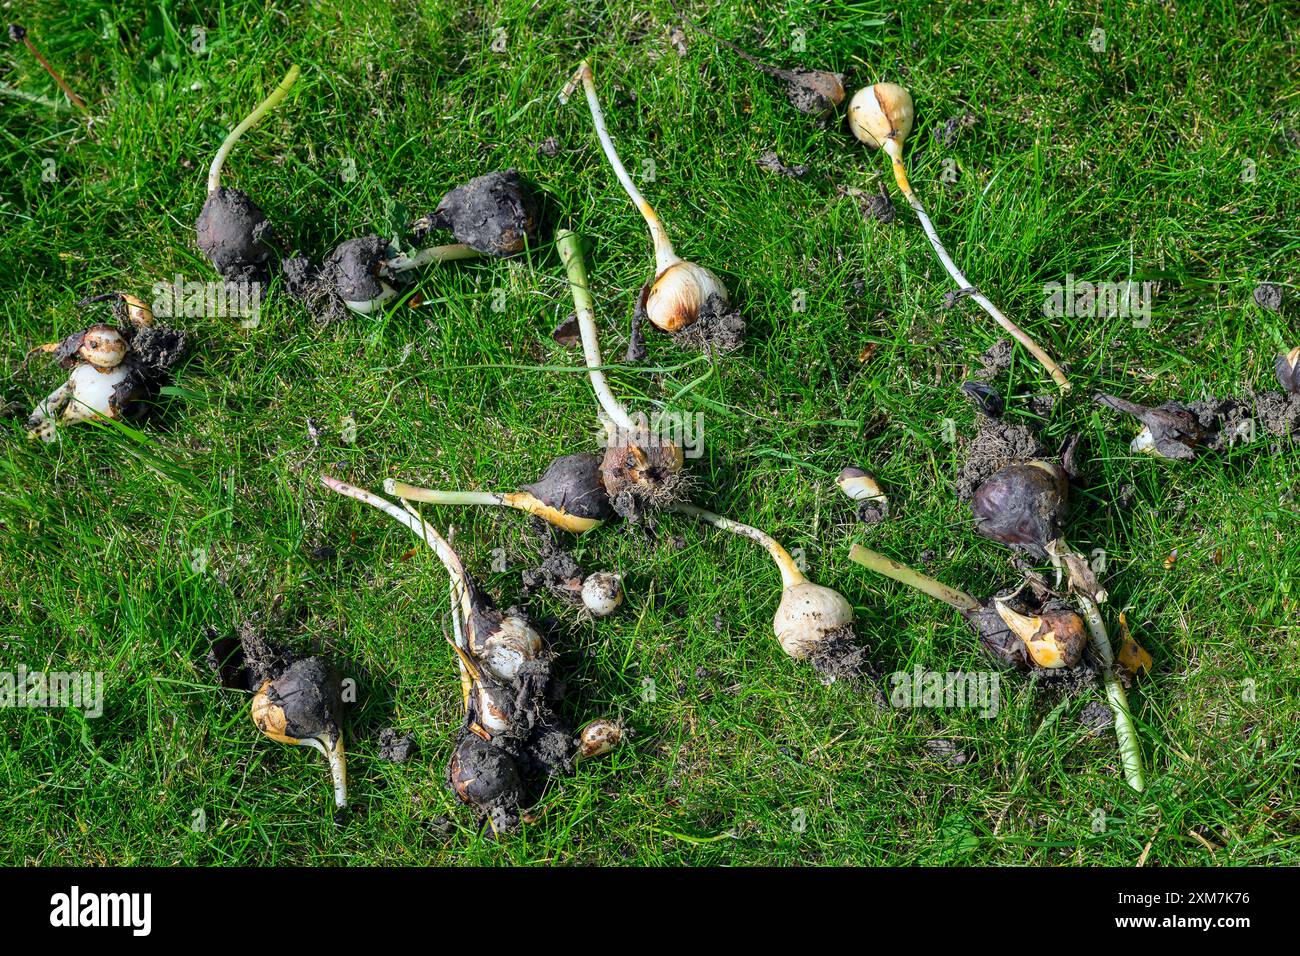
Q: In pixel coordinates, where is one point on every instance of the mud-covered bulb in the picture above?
(301, 708)
(881, 116)
(602, 593)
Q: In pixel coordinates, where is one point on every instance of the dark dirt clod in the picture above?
(718, 329)
(549, 148)
(574, 484)
(17, 33)
(815, 92)
(995, 360)
(771, 162)
(230, 230)
(156, 348)
(870, 514)
(1268, 296)
(997, 444)
(949, 131)
(1277, 413)
(496, 214)
(839, 657)
(1022, 506)
(1041, 405)
(945, 751)
(559, 573)
(636, 350)
(1096, 717)
(245, 661)
(394, 746)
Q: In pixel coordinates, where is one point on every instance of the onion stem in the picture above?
(264, 107)
(338, 767)
(448, 253)
(1130, 748)
(429, 535)
(413, 493)
(900, 175)
(664, 254)
(790, 573)
(570, 247)
(875, 561)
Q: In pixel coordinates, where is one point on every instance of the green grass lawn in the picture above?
(1172, 154)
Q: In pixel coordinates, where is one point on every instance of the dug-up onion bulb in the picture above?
(602, 593)
(881, 116)
(301, 708)
(681, 292)
(812, 622)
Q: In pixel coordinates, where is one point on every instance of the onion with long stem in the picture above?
(1051, 635)
(683, 298)
(812, 622)
(881, 117)
(640, 470)
(570, 495)
(231, 226)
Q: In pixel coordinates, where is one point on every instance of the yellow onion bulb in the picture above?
(679, 293)
(882, 115)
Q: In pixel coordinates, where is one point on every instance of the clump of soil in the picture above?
(1268, 296)
(496, 214)
(394, 746)
(949, 131)
(996, 360)
(770, 162)
(840, 657)
(1096, 717)
(558, 573)
(231, 228)
(1279, 414)
(719, 329)
(995, 445)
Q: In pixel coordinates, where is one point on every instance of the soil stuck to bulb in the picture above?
(716, 329)
(230, 231)
(348, 279)
(497, 214)
(643, 474)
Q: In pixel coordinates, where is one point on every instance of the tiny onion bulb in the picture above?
(881, 117)
(602, 593)
(680, 289)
